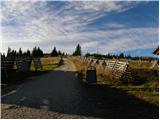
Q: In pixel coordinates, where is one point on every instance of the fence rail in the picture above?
(22, 64)
(121, 69)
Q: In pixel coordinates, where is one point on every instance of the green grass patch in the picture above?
(48, 67)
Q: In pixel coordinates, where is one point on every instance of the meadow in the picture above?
(146, 80)
(145, 87)
(110, 97)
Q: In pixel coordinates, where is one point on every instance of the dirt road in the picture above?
(59, 94)
(54, 90)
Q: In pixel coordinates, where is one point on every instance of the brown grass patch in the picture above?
(50, 60)
(148, 79)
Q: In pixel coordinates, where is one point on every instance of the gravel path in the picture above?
(44, 95)
(59, 94)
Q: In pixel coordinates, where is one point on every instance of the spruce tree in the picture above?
(59, 52)
(37, 52)
(20, 53)
(8, 52)
(34, 52)
(121, 55)
(77, 52)
(54, 52)
(28, 54)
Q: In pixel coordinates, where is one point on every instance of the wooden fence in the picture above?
(121, 70)
(22, 65)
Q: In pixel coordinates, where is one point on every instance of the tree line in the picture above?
(78, 52)
(118, 56)
(99, 56)
(37, 52)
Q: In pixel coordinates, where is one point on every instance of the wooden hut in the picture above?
(156, 51)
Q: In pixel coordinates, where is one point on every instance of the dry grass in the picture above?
(141, 64)
(100, 70)
(148, 79)
(50, 60)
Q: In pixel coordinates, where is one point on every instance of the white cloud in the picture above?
(123, 40)
(26, 24)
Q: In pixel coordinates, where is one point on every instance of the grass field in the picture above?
(48, 63)
(147, 79)
(147, 87)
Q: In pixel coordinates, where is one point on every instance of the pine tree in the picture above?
(77, 51)
(28, 54)
(13, 53)
(59, 52)
(34, 52)
(9, 52)
(2, 55)
(121, 55)
(54, 52)
(37, 52)
(20, 52)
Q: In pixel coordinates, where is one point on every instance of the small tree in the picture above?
(54, 52)
(121, 55)
(37, 52)
(28, 54)
(20, 53)
(2, 55)
(8, 52)
(128, 56)
(87, 54)
(13, 53)
(77, 52)
(34, 52)
(59, 52)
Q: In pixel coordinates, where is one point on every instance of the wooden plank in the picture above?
(21, 65)
(37, 63)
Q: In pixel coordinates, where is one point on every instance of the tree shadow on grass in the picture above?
(61, 91)
(108, 102)
(145, 75)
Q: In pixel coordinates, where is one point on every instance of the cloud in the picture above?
(65, 24)
(121, 40)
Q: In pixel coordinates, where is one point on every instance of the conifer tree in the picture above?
(54, 52)
(37, 52)
(20, 53)
(121, 55)
(59, 52)
(77, 52)
(8, 52)
(28, 54)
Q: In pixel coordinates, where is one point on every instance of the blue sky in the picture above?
(99, 27)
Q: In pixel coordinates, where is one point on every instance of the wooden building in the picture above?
(156, 51)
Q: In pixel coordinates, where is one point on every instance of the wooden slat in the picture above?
(120, 68)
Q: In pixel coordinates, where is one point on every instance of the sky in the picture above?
(100, 27)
